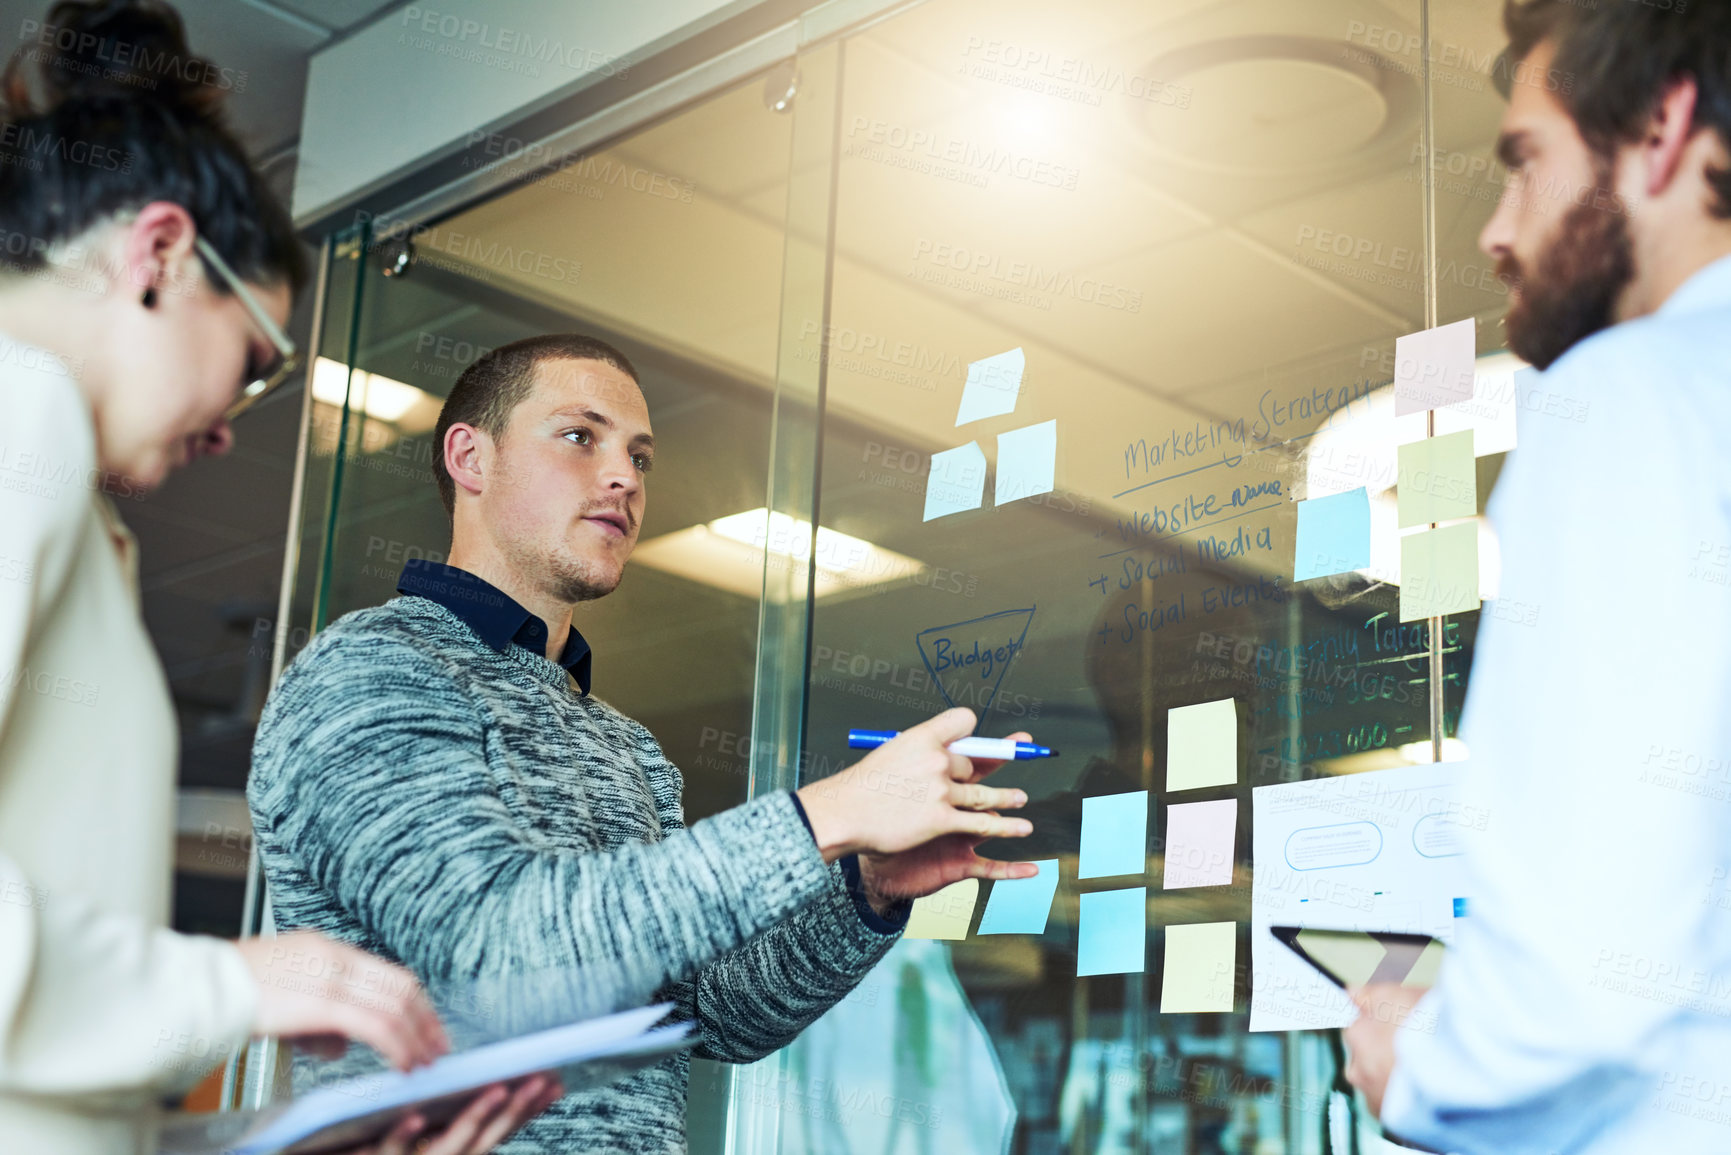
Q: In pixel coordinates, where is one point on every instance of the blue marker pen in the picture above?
(1000, 748)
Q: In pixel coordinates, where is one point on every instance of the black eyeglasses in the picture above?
(287, 360)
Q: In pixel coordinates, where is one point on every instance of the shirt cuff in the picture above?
(799, 808)
(856, 886)
(898, 916)
(1401, 1111)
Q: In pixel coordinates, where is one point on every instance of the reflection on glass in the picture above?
(1200, 228)
(1190, 234)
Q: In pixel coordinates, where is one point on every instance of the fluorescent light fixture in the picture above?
(1418, 753)
(728, 553)
(382, 398)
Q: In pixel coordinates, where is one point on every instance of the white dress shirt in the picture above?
(1586, 1006)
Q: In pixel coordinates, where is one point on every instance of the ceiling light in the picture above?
(729, 553)
(382, 398)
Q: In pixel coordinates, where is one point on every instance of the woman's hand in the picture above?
(322, 992)
(489, 1118)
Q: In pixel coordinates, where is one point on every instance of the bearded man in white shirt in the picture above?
(1586, 1005)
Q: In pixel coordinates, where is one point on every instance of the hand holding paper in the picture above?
(491, 1116)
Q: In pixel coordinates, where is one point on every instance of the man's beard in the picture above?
(1573, 292)
(575, 582)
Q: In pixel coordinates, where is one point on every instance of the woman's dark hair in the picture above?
(105, 109)
(1615, 60)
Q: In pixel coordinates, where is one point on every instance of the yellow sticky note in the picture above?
(1438, 480)
(1439, 572)
(1200, 960)
(1202, 745)
(945, 914)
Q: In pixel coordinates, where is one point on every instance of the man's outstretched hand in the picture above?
(914, 813)
(893, 878)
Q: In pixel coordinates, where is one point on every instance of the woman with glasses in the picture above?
(146, 274)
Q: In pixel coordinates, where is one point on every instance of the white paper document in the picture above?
(1375, 851)
(334, 1117)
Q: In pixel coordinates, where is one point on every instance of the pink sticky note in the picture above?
(1434, 367)
(1199, 842)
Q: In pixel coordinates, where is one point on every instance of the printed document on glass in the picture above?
(1381, 850)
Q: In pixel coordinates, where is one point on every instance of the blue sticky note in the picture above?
(1333, 535)
(992, 387)
(1020, 905)
(1114, 835)
(1027, 462)
(1112, 932)
(956, 481)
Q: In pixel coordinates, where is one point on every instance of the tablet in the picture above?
(1353, 958)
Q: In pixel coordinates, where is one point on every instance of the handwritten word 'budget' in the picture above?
(947, 657)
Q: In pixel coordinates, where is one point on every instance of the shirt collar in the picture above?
(1708, 288)
(496, 617)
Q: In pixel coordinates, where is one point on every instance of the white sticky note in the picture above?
(1027, 462)
(1199, 843)
(993, 386)
(957, 481)
(946, 914)
(1200, 959)
(1434, 367)
(1202, 745)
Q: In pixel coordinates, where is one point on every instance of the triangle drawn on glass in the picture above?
(967, 661)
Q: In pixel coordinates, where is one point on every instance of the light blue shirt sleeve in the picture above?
(1593, 973)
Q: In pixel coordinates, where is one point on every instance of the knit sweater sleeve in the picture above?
(757, 999)
(370, 779)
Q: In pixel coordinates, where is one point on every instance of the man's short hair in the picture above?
(1616, 59)
(498, 381)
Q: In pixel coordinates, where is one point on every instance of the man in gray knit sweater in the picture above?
(433, 781)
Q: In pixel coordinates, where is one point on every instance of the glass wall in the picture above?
(1192, 233)
(1184, 239)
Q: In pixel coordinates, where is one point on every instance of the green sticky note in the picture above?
(1202, 745)
(1200, 960)
(1112, 932)
(1439, 572)
(1438, 480)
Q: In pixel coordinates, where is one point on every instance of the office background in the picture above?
(1203, 222)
